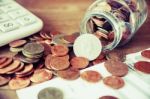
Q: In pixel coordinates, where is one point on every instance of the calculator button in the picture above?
(3, 2)
(8, 7)
(3, 18)
(8, 26)
(17, 13)
(1, 11)
(26, 20)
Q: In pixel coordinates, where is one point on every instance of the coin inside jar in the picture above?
(114, 82)
(91, 76)
(50, 93)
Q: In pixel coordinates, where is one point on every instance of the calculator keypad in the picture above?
(9, 7)
(17, 13)
(12, 16)
(3, 18)
(26, 20)
(8, 26)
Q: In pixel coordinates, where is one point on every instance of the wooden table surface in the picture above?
(65, 16)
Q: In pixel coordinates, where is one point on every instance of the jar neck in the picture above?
(116, 24)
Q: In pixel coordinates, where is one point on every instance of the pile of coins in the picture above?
(17, 46)
(30, 65)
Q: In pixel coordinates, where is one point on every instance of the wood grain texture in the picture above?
(65, 16)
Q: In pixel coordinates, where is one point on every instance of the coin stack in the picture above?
(32, 52)
(17, 46)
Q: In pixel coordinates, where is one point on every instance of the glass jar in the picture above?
(114, 22)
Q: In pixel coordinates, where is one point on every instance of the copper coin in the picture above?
(108, 97)
(47, 61)
(59, 63)
(116, 55)
(17, 43)
(4, 79)
(10, 67)
(28, 74)
(143, 66)
(27, 68)
(21, 67)
(114, 82)
(79, 62)
(42, 34)
(41, 75)
(2, 59)
(53, 33)
(19, 83)
(47, 49)
(71, 38)
(91, 76)
(146, 53)
(59, 50)
(69, 74)
(116, 68)
(99, 59)
(6, 63)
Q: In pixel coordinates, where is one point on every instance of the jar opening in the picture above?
(105, 26)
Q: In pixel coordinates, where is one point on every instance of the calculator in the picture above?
(16, 22)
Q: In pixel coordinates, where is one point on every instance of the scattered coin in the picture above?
(47, 49)
(47, 61)
(6, 63)
(21, 67)
(4, 79)
(69, 74)
(91, 76)
(116, 68)
(18, 83)
(114, 82)
(59, 50)
(116, 55)
(108, 97)
(17, 43)
(24, 59)
(33, 48)
(41, 75)
(10, 67)
(88, 46)
(143, 66)
(99, 59)
(2, 59)
(16, 50)
(71, 38)
(146, 53)
(79, 62)
(59, 63)
(25, 75)
(27, 68)
(50, 93)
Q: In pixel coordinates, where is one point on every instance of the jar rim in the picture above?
(111, 19)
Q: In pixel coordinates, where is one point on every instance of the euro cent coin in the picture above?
(88, 46)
